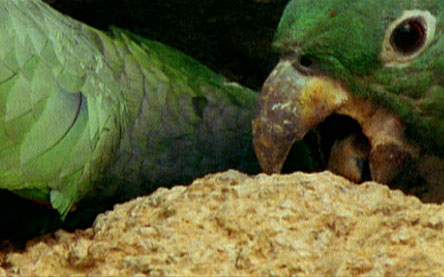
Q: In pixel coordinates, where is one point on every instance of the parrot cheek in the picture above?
(359, 140)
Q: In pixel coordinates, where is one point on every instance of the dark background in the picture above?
(232, 37)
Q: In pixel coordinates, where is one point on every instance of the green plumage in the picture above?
(364, 78)
(346, 37)
(90, 115)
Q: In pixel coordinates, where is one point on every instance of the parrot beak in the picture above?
(292, 103)
(285, 112)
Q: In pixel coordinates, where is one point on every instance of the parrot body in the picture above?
(366, 78)
(90, 115)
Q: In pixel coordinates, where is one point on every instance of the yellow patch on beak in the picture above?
(320, 95)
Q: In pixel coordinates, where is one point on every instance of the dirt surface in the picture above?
(234, 224)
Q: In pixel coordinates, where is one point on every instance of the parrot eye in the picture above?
(409, 36)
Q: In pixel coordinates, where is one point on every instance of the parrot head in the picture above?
(365, 78)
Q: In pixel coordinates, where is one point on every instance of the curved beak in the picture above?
(291, 104)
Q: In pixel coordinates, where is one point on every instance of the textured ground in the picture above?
(234, 224)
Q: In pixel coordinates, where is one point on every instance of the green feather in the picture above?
(86, 115)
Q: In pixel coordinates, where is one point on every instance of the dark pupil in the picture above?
(409, 36)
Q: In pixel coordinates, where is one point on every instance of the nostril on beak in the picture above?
(306, 64)
(306, 61)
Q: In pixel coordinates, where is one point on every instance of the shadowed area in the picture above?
(230, 36)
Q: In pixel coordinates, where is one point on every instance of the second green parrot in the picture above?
(363, 80)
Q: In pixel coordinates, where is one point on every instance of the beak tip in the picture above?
(271, 150)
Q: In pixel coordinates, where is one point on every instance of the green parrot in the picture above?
(362, 81)
(87, 115)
